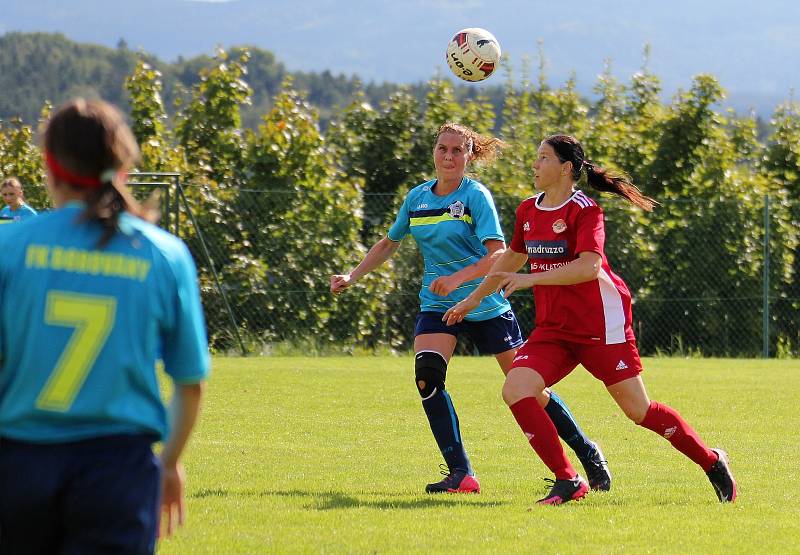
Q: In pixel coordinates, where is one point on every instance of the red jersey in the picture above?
(594, 312)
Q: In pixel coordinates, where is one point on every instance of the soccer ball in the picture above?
(473, 54)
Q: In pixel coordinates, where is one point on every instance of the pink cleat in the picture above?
(565, 490)
(456, 481)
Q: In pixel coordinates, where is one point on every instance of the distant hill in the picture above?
(39, 67)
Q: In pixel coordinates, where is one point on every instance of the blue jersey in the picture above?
(22, 213)
(450, 231)
(81, 327)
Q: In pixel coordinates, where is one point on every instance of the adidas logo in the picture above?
(669, 431)
(622, 365)
(528, 435)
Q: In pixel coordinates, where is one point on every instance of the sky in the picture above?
(753, 48)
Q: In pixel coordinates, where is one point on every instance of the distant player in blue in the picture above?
(90, 293)
(455, 224)
(15, 209)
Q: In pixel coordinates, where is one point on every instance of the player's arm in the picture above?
(584, 268)
(445, 285)
(184, 410)
(377, 255)
(508, 261)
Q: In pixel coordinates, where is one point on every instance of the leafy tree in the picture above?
(781, 166)
(706, 296)
(20, 158)
(303, 226)
(148, 121)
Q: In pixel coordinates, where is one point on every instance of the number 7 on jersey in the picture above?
(92, 316)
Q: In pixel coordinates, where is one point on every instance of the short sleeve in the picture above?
(402, 223)
(590, 233)
(185, 344)
(518, 240)
(485, 218)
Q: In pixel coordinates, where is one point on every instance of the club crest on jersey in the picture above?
(526, 226)
(456, 209)
(559, 226)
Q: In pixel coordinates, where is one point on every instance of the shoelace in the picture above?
(550, 482)
(444, 470)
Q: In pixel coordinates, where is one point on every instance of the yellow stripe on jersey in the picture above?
(430, 220)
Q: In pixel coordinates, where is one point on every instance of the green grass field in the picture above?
(331, 455)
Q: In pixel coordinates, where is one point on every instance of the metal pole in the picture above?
(234, 326)
(765, 280)
(177, 181)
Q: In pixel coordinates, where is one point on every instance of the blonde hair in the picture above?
(483, 149)
(12, 182)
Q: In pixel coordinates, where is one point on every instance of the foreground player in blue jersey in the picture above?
(455, 224)
(90, 294)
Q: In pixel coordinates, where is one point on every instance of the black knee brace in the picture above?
(430, 369)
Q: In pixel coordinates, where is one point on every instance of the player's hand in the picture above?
(511, 281)
(456, 314)
(444, 285)
(172, 503)
(340, 282)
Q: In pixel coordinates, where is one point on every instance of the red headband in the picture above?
(65, 175)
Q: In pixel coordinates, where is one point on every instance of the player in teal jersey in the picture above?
(90, 296)
(455, 224)
(15, 209)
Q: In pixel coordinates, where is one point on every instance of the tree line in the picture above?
(283, 205)
(39, 66)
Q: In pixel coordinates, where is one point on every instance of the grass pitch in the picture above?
(331, 455)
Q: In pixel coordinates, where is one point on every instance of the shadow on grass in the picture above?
(328, 500)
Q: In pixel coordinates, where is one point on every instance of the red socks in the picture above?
(542, 436)
(666, 422)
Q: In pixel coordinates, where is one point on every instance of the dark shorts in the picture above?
(98, 495)
(553, 360)
(493, 336)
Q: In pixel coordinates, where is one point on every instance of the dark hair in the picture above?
(91, 145)
(482, 148)
(569, 149)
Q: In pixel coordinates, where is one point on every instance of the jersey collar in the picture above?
(562, 205)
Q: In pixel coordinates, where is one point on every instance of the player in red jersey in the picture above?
(583, 315)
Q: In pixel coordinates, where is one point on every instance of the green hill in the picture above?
(40, 67)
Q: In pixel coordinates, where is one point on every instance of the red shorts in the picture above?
(554, 359)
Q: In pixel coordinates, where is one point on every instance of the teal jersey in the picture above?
(450, 231)
(22, 213)
(81, 327)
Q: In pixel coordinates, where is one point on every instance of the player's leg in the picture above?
(535, 366)
(503, 332)
(432, 355)
(619, 366)
(30, 478)
(112, 504)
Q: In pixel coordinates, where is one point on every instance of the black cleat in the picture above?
(597, 471)
(722, 479)
(565, 490)
(456, 481)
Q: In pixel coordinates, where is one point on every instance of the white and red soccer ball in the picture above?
(473, 54)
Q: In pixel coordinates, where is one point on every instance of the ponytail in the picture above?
(568, 149)
(603, 180)
(105, 204)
